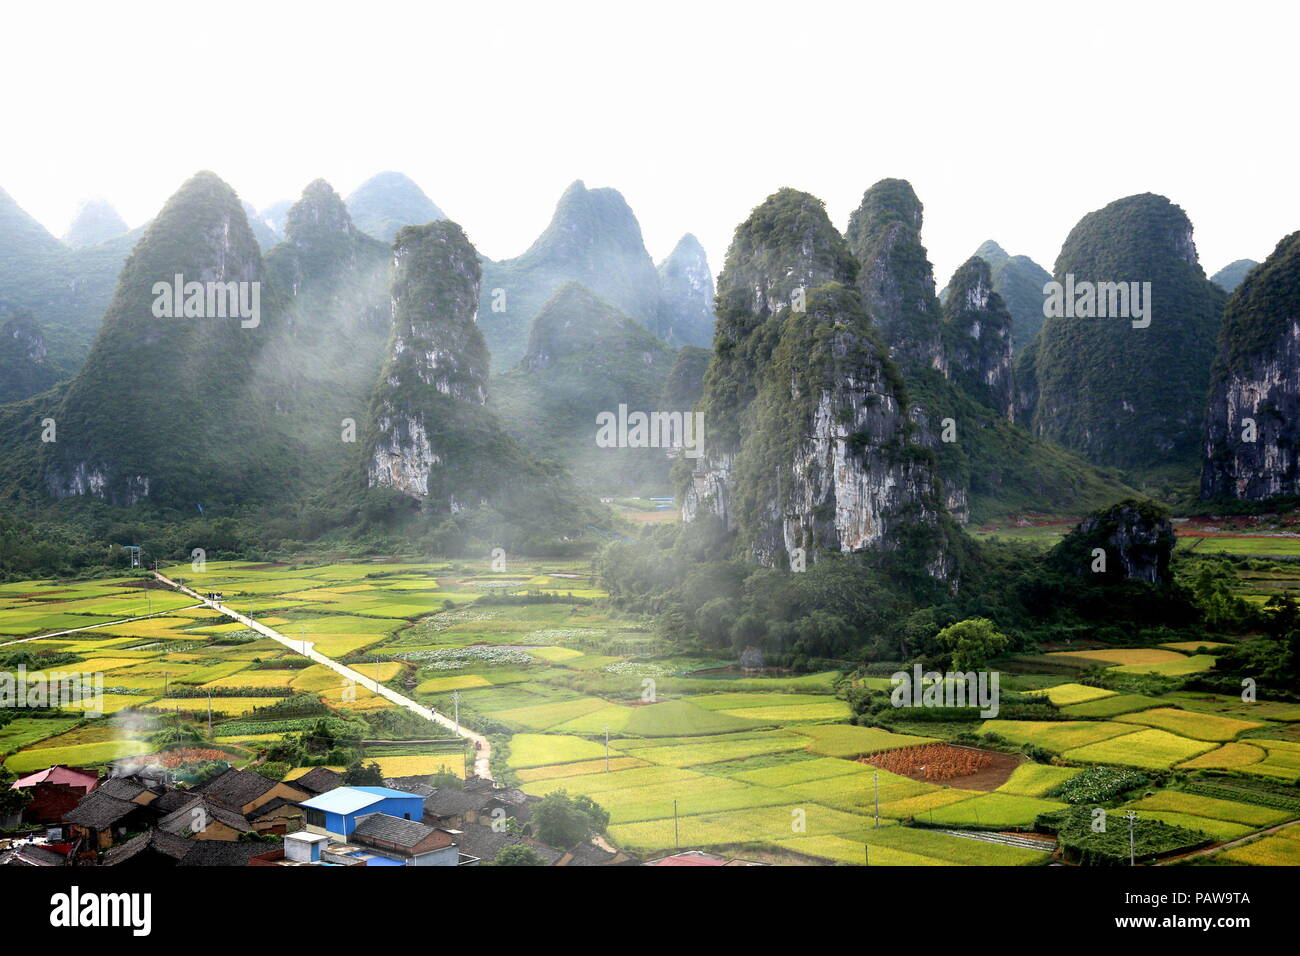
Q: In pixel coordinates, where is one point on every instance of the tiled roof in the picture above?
(167, 844)
(124, 788)
(318, 780)
(403, 833)
(98, 811)
(226, 852)
(236, 787)
(183, 820)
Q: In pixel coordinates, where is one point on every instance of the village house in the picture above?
(336, 812)
(54, 791)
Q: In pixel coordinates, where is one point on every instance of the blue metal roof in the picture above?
(352, 799)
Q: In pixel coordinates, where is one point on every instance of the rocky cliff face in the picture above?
(386, 202)
(977, 337)
(808, 442)
(95, 221)
(160, 408)
(686, 296)
(437, 361)
(1137, 539)
(24, 365)
(896, 279)
(1252, 442)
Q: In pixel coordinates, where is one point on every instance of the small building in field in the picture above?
(337, 811)
(54, 791)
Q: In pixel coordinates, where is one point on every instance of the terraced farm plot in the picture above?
(952, 849)
(78, 755)
(1219, 830)
(414, 765)
(1228, 757)
(230, 706)
(1152, 749)
(1193, 646)
(657, 803)
(785, 713)
(734, 702)
(1063, 694)
(717, 749)
(847, 740)
(1278, 849)
(611, 717)
(540, 750)
(273, 677)
(581, 768)
(738, 826)
(841, 850)
(1037, 779)
(678, 717)
(1181, 668)
(546, 716)
(1228, 810)
(1124, 655)
(858, 793)
(637, 779)
(1056, 736)
(992, 811)
(24, 731)
(922, 804)
(1110, 706)
(784, 775)
(1189, 724)
(438, 685)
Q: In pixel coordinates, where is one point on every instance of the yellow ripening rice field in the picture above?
(1124, 655)
(1188, 723)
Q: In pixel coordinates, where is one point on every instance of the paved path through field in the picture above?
(483, 748)
(91, 627)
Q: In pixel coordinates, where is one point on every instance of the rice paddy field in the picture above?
(682, 752)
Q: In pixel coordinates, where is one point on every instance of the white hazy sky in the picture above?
(1010, 119)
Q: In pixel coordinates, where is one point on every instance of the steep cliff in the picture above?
(896, 279)
(325, 355)
(160, 409)
(1121, 372)
(808, 442)
(1252, 441)
(1135, 539)
(977, 337)
(25, 368)
(431, 436)
(686, 296)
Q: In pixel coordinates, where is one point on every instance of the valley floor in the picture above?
(682, 752)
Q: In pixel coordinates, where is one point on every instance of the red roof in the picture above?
(68, 776)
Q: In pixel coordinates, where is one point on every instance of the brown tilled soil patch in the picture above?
(968, 768)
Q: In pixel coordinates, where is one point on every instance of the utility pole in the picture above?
(606, 750)
(455, 703)
(676, 842)
(866, 854)
(876, 775)
(209, 715)
(1131, 817)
